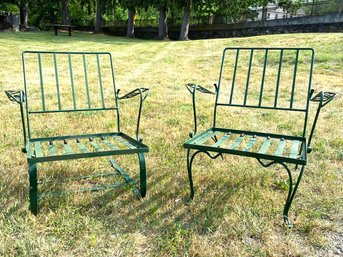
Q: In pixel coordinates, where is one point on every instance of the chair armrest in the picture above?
(322, 98)
(143, 94)
(18, 96)
(193, 88)
(135, 92)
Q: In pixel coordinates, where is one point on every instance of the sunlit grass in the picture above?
(237, 210)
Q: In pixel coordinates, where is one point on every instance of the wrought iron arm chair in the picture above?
(54, 92)
(298, 148)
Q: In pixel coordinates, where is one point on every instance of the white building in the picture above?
(275, 12)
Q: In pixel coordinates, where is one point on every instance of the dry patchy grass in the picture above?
(238, 204)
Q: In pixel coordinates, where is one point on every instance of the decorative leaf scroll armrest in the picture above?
(192, 88)
(322, 98)
(143, 94)
(18, 96)
(133, 93)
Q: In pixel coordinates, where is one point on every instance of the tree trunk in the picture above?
(24, 13)
(312, 8)
(341, 7)
(98, 21)
(65, 15)
(210, 18)
(185, 21)
(130, 25)
(163, 26)
(89, 7)
(264, 13)
(112, 8)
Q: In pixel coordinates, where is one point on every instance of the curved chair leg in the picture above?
(190, 160)
(291, 193)
(142, 174)
(141, 190)
(291, 190)
(33, 191)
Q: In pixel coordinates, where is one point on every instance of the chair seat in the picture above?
(275, 147)
(82, 146)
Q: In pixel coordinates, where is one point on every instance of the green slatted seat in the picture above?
(245, 148)
(91, 145)
(75, 83)
(267, 81)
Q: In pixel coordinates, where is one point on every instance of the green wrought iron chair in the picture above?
(79, 85)
(264, 81)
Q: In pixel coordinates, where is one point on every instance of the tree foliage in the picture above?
(9, 8)
(95, 13)
(290, 6)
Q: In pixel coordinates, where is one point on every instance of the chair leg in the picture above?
(142, 174)
(189, 169)
(291, 193)
(189, 166)
(33, 191)
(291, 190)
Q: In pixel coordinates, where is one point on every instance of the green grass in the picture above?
(237, 210)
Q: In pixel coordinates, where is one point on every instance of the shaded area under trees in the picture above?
(159, 13)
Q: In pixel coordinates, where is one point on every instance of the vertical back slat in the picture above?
(72, 80)
(278, 78)
(86, 80)
(248, 77)
(57, 83)
(263, 77)
(41, 81)
(294, 78)
(234, 76)
(100, 81)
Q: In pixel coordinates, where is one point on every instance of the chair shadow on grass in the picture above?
(166, 208)
(13, 198)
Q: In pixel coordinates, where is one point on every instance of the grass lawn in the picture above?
(237, 210)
